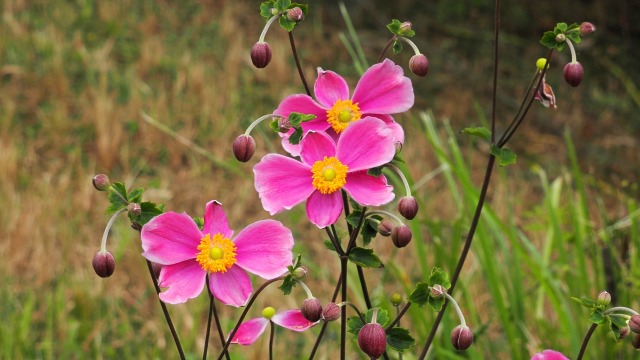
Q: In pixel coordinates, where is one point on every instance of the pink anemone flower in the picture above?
(327, 167)
(188, 254)
(549, 355)
(249, 331)
(382, 90)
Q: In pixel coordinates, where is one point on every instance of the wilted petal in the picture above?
(365, 144)
(170, 238)
(292, 320)
(250, 331)
(232, 287)
(215, 220)
(184, 280)
(315, 146)
(330, 87)
(264, 248)
(324, 209)
(368, 190)
(281, 182)
(383, 89)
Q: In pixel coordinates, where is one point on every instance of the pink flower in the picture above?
(327, 167)
(250, 330)
(549, 355)
(188, 254)
(382, 90)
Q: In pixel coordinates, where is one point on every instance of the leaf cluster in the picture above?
(119, 198)
(571, 32)
(598, 316)
(271, 8)
(421, 295)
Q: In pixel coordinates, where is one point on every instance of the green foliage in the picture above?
(354, 323)
(399, 339)
(271, 8)
(117, 197)
(396, 28)
(505, 156)
(365, 258)
(571, 32)
(421, 295)
(290, 281)
(480, 131)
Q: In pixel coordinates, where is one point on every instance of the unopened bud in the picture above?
(101, 182)
(419, 65)
(437, 291)
(587, 28)
(134, 209)
(573, 73)
(405, 26)
(396, 299)
(261, 54)
(408, 207)
(560, 38)
(284, 125)
(401, 236)
(300, 272)
(385, 227)
(634, 324)
(624, 332)
(295, 14)
(104, 264)
(311, 309)
(636, 342)
(136, 226)
(604, 298)
(331, 312)
(244, 147)
(372, 340)
(461, 337)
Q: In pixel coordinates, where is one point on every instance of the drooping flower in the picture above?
(327, 167)
(382, 90)
(249, 331)
(188, 254)
(545, 95)
(549, 355)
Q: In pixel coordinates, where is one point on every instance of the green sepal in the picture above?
(290, 281)
(354, 323)
(375, 171)
(296, 136)
(148, 211)
(296, 118)
(597, 317)
(397, 47)
(480, 131)
(399, 339)
(505, 157)
(117, 197)
(420, 295)
(265, 9)
(365, 258)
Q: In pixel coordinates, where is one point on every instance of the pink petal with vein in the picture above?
(315, 146)
(549, 355)
(368, 190)
(250, 331)
(304, 104)
(281, 182)
(184, 280)
(383, 89)
(232, 287)
(264, 248)
(292, 320)
(215, 220)
(396, 129)
(170, 238)
(324, 209)
(330, 87)
(365, 144)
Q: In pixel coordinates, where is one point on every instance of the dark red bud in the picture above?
(587, 28)
(573, 72)
(408, 207)
(636, 342)
(624, 332)
(419, 65)
(104, 264)
(136, 226)
(385, 227)
(461, 337)
(156, 269)
(372, 340)
(295, 14)
(331, 312)
(244, 147)
(261, 54)
(401, 236)
(634, 324)
(311, 309)
(101, 182)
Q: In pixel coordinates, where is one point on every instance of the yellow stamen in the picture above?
(329, 175)
(217, 254)
(342, 114)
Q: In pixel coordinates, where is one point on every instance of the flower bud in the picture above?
(268, 312)
(385, 227)
(295, 14)
(636, 342)
(104, 264)
(461, 337)
(405, 26)
(560, 38)
(541, 63)
(284, 125)
(372, 340)
(401, 236)
(408, 207)
(300, 272)
(624, 332)
(136, 226)
(101, 182)
(573, 72)
(311, 309)
(634, 324)
(261, 54)
(587, 28)
(396, 299)
(134, 209)
(331, 312)
(604, 298)
(244, 147)
(419, 65)
(437, 291)
(156, 269)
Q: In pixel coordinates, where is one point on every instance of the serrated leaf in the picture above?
(397, 47)
(597, 317)
(354, 205)
(370, 229)
(135, 196)
(354, 218)
(282, 5)
(274, 125)
(394, 26)
(586, 302)
(148, 211)
(382, 318)
(436, 304)
(439, 277)
(420, 295)
(399, 339)
(364, 257)
(288, 283)
(618, 321)
(286, 24)
(296, 118)
(505, 156)
(376, 171)
(549, 40)
(329, 245)
(117, 197)
(480, 131)
(562, 26)
(575, 37)
(265, 9)
(615, 332)
(354, 324)
(296, 136)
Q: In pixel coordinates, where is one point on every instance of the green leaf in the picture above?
(117, 197)
(575, 37)
(382, 318)
(354, 324)
(597, 317)
(354, 218)
(296, 136)
(505, 157)
(436, 304)
(480, 131)
(618, 321)
(135, 196)
(365, 258)
(288, 283)
(329, 245)
(286, 23)
(397, 47)
(549, 40)
(265, 9)
(588, 303)
(376, 171)
(420, 295)
(148, 211)
(399, 339)
(282, 5)
(296, 118)
(394, 26)
(562, 26)
(439, 277)
(370, 229)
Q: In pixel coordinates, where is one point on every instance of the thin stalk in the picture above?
(343, 318)
(386, 47)
(586, 341)
(363, 285)
(216, 318)
(295, 57)
(334, 240)
(206, 337)
(496, 48)
(399, 316)
(325, 323)
(272, 332)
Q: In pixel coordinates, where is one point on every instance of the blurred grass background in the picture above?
(76, 76)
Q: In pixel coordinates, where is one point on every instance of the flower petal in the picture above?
(170, 238)
(330, 87)
(315, 146)
(324, 209)
(396, 129)
(249, 331)
(185, 280)
(292, 320)
(282, 182)
(264, 248)
(383, 89)
(232, 287)
(215, 220)
(304, 104)
(368, 190)
(549, 355)
(365, 144)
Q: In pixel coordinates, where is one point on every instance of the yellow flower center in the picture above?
(329, 175)
(216, 254)
(342, 114)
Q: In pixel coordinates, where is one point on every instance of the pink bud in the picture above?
(587, 28)
(331, 312)
(311, 309)
(573, 73)
(295, 14)
(101, 182)
(261, 54)
(244, 147)
(408, 207)
(385, 227)
(634, 324)
(372, 340)
(419, 65)
(461, 337)
(104, 264)
(401, 236)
